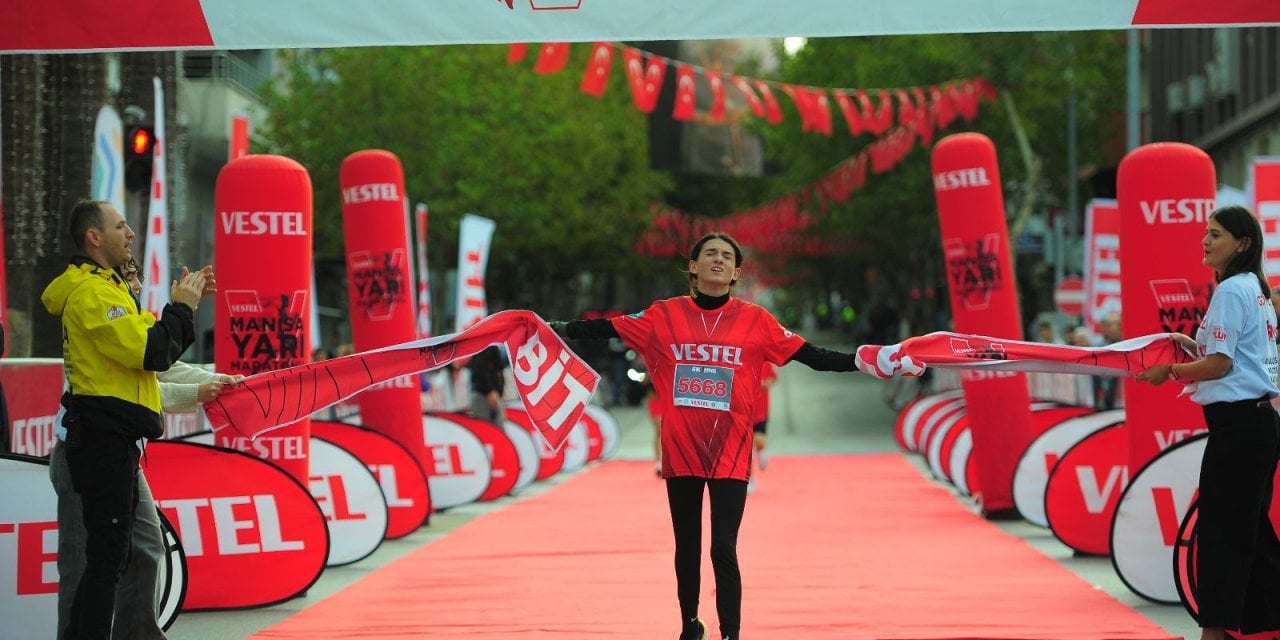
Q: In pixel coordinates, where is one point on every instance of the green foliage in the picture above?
(893, 219)
(565, 175)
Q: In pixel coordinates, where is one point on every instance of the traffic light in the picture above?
(139, 148)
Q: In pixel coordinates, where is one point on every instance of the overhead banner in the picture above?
(1166, 192)
(984, 299)
(155, 263)
(379, 290)
(81, 25)
(474, 236)
(1266, 205)
(261, 319)
(553, 383)
(1101, 262)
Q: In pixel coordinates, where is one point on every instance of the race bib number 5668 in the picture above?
(704, 387)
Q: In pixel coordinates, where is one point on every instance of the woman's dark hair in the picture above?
(1241, 224)
(697, 248)
(132, 267)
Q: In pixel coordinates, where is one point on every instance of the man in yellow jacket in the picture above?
(111, 351)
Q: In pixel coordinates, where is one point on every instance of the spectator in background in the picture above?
(617, 370)
(488, 381)
(1105, 387)
(760, 421)
(1046, 333)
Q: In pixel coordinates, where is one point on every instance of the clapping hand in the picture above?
(189, 289)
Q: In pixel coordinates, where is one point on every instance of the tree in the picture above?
(566, 176)
(893, 219)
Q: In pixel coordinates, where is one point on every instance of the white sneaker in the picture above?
(751, 485)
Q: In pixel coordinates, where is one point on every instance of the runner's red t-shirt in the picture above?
(706, 367)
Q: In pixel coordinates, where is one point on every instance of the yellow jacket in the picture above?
(111, 348)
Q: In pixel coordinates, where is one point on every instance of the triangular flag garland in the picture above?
(776, 227)
(863, 110)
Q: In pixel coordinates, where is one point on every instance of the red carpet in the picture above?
(832, 547)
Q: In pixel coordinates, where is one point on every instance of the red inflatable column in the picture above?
(262, 255)
(1166, 192)
(984, 301)
(382, 312)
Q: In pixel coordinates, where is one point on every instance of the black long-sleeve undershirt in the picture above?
(816, 358)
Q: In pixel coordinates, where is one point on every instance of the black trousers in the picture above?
(104, 471)
(1238, 555)
(728, 499)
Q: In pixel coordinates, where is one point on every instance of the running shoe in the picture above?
(695, 629)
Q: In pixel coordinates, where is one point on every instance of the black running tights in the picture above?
(728, 498)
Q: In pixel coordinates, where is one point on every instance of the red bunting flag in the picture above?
(749, 94)
(717, 94)
(821, 111)
(925, 117)
(883, 118)
(851, 117)
(906, 110)
(645, 79)
(773, 115)
(517, 52)
(686, 93)
(801, 101)
(596, 78)
(552, 58)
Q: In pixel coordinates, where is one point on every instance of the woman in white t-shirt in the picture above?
(1238, 557)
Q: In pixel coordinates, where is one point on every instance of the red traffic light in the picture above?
(140, 141)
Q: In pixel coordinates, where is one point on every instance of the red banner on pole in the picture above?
(1101, 262)
(984, 300)
(381, 302)
(1166, 192)
(239, 146)
(1266, 205)
(261, 319)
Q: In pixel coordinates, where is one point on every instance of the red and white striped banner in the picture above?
(423, 322)
(155, 263)
(79, 25)
(965, 351)
(1101, 262)
(1266, 205)
(553, 383)
(474, 235)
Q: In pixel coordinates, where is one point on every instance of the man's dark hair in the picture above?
(87, 214)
